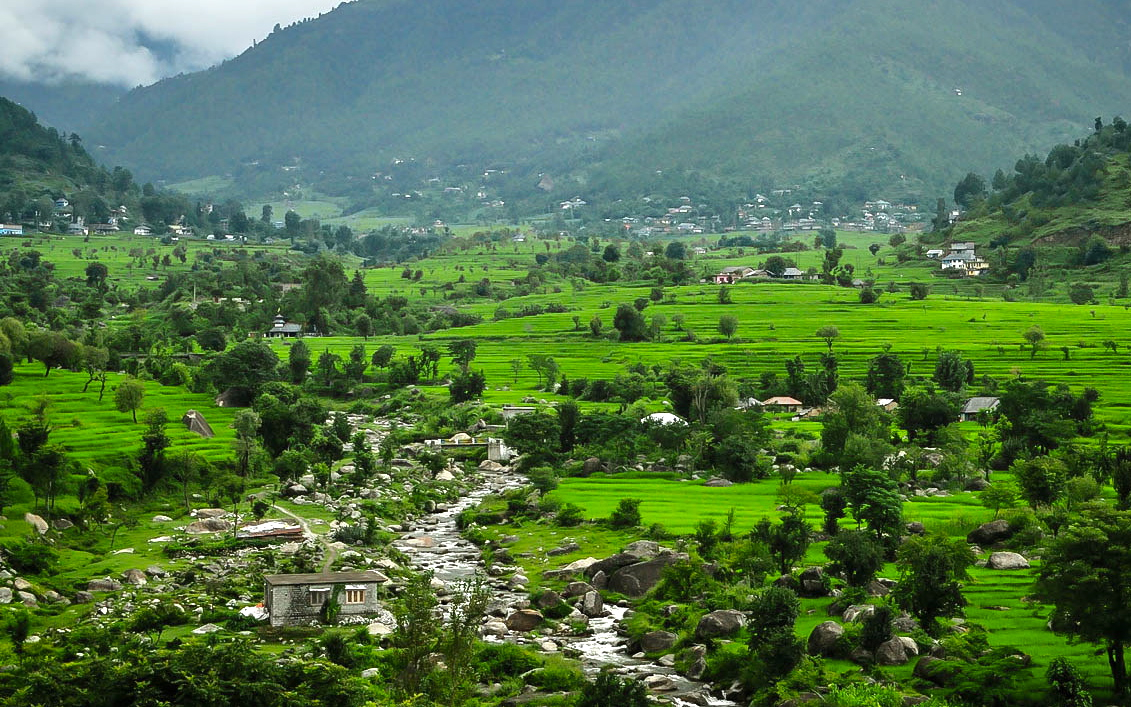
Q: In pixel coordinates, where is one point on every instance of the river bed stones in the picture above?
(524, 620)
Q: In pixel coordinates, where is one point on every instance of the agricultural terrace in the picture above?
(778, 322)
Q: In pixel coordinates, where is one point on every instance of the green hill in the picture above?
(39, 164)
(1078, 191)
(855, 97)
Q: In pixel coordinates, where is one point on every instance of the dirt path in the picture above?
(331, 552)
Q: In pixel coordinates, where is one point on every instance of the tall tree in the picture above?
(155, 441)
(931, 572)
(128, 396)
(1086, 575)
(298, 361)
(885, 376)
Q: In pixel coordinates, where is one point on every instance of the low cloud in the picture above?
(134, 42)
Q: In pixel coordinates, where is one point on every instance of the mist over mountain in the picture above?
(856, 97)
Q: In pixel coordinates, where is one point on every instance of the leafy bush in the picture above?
(501, 660)
(31, 557)
(557, 676)
(569, 515)
(626, 514)
(608, 690)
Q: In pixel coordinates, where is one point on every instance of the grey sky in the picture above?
(108, 40)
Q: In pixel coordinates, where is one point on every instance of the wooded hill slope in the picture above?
(857, 97)
(39, 164)
(1071, 196)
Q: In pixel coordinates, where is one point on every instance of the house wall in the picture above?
(289, 605)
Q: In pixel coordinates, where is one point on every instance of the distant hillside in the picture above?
(69, 107)
(1075, 193)
(858, 97)
(39, 164)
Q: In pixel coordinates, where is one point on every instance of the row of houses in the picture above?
(971, 410)
(732, 274)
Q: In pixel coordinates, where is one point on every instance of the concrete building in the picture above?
(299, 599)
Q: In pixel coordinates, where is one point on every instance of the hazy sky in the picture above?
(131, 42)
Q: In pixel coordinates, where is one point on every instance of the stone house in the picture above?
(298, 599)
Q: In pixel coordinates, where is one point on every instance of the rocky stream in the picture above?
(435, 544)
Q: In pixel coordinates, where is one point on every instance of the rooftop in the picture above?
(974, 405)
(280, 580)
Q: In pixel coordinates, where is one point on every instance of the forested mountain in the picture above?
(855, 96)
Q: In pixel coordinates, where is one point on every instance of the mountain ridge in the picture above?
(852, 95)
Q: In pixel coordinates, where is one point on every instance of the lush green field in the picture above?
(778, 321)
(94, 432)
(996, 599)
(113, 252)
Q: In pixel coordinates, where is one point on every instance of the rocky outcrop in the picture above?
(824, 637)
(892, 652)
(1007, 561)
(208, 525)
(718, 624)
(858, 612)
(930, 669)
(37, 523)
(576, 589)
(591, 604)
(989, 533)
(658, 641)
(813, 583)
(524, 620)
(635, 580)
(135, 577)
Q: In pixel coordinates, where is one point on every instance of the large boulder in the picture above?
(5, 595)
(989, 533)
(659, 683)
(717, 624)
(892, 652)
(610, 565)
(813, 583)
(548, 599)
(644, 549)
(591, 466)
(576, 589)
(635, 580)
(36, 522)
(208, 525)
(103, 585)
(824, 637)
(209, 513)
(135, 577)
(524, 620)
(657, 641)
(858, 612)
(930, 669)
(591, 604)
(1007, 561)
